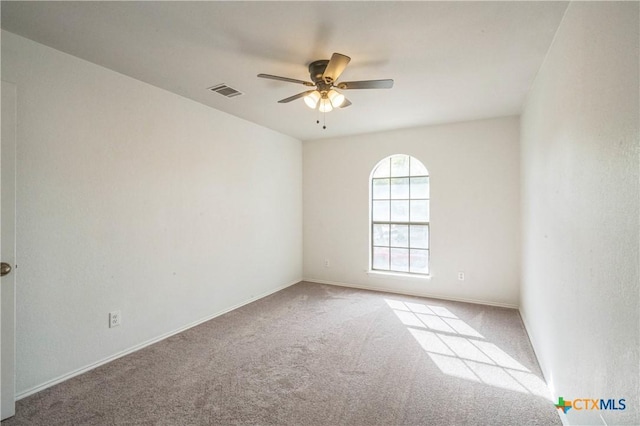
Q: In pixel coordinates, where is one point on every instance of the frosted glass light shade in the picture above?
(312, 99)
(336, 98)
(325, 105)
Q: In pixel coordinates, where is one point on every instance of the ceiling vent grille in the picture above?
(225, 90)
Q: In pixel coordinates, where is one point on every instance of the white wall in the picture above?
(475, 217)
(133, 198)
(580, 136)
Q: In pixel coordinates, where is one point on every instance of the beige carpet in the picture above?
(317, 355)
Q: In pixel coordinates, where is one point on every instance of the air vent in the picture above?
(225, 90)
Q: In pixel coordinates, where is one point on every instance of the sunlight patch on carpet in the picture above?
(459, 350)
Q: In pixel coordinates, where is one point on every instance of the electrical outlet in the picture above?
(460, 276)
(326, 263)
(114, 319)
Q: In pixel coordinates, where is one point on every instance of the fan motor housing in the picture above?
(316, 70)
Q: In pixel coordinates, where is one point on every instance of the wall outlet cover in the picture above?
(114, 319)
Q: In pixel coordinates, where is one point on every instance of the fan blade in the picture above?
(336, 65)
(345, 103)
(287, 79)
(294, 97)
(366, 84)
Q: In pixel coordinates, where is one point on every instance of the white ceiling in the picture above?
(451, 61)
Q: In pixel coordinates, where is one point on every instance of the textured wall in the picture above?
(580, 192)
(133, 198)
(475, 217)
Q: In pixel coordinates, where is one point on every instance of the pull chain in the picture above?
(324, 119)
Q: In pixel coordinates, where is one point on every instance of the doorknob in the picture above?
(5, 268)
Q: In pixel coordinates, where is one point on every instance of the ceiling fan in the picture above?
(324, 75)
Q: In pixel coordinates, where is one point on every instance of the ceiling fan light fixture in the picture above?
(336, 98)
(324, 75)
(325, 104)
(312, 99)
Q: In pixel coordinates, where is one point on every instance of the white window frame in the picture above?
(409, 222)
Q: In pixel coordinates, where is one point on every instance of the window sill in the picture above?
(399, 275)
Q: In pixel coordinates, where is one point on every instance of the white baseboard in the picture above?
(409, 293)
(523, 318)
(135, 348)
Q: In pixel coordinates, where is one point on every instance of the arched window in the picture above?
(400, 216)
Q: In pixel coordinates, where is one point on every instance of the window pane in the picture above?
(400, 259)
(399, 211)
(400, 165)
(419, 260)
(417, 168)
(380, 211)
(381, 189)
(380, 235)
(420, 187)
(384, 169)
(381, 258)
(419, 211)
(400, 192)
(400, 188)
(399, 236)
(419, 236)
